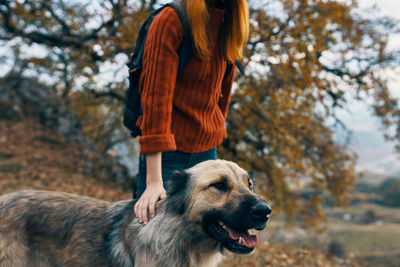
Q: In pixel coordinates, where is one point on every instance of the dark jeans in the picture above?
(171, 161)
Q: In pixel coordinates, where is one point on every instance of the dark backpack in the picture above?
(133, 107)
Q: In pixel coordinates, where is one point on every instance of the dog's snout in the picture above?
(261, 210)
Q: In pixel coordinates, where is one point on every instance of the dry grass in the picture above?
(283, 256)
(33, 157)
(365, 239)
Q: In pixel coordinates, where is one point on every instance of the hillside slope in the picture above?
(34, 157)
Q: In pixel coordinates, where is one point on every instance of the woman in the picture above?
(183, 118)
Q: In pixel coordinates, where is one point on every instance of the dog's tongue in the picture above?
(249, 240)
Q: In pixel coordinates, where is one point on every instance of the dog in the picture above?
(209, 208)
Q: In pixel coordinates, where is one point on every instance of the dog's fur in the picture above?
(39, 228)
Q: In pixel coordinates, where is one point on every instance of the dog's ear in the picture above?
(177, 192)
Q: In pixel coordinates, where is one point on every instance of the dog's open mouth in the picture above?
(237, 241)
(243, 238)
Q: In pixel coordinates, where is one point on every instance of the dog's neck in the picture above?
(169, 239)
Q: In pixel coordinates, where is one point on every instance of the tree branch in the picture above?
(109, 94)
(64, 26)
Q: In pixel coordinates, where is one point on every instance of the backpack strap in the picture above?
(185, 49)
(136, 60)
(240, 67)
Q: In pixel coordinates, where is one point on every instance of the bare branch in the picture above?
(111, 94)
(64, 26)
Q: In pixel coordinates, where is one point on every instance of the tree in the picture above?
(78, 39)
(390, 189)
(303, 62)
(337, 249)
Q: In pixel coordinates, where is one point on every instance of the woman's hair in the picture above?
(233, 33)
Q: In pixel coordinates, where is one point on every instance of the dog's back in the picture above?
(38, 228)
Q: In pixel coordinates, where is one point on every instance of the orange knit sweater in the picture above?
(186, 114)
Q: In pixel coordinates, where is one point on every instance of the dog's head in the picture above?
(219, 196)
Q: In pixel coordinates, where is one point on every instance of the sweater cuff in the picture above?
(157, 143)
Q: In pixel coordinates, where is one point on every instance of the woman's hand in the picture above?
(146, 205)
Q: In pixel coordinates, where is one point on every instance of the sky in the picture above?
(375, 154)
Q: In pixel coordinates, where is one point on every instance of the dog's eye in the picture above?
(221, 186)
(251, 184)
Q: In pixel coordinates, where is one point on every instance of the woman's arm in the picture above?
(157, 84)
(155, 191)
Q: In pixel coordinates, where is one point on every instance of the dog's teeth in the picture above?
(240, 241)
(222, 225)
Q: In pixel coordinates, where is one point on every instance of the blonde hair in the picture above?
(234, 30)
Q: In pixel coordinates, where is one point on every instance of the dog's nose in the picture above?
(261, 210)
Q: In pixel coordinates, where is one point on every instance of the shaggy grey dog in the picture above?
(210, 207)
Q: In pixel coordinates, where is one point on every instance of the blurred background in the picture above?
(316, 117)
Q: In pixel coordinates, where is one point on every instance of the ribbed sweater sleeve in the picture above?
(226, 89)
(157, 82)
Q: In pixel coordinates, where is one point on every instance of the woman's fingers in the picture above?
(143, 210)
(163, 195)
(152, 206)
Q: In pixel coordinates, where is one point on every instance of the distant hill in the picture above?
(373, 178)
